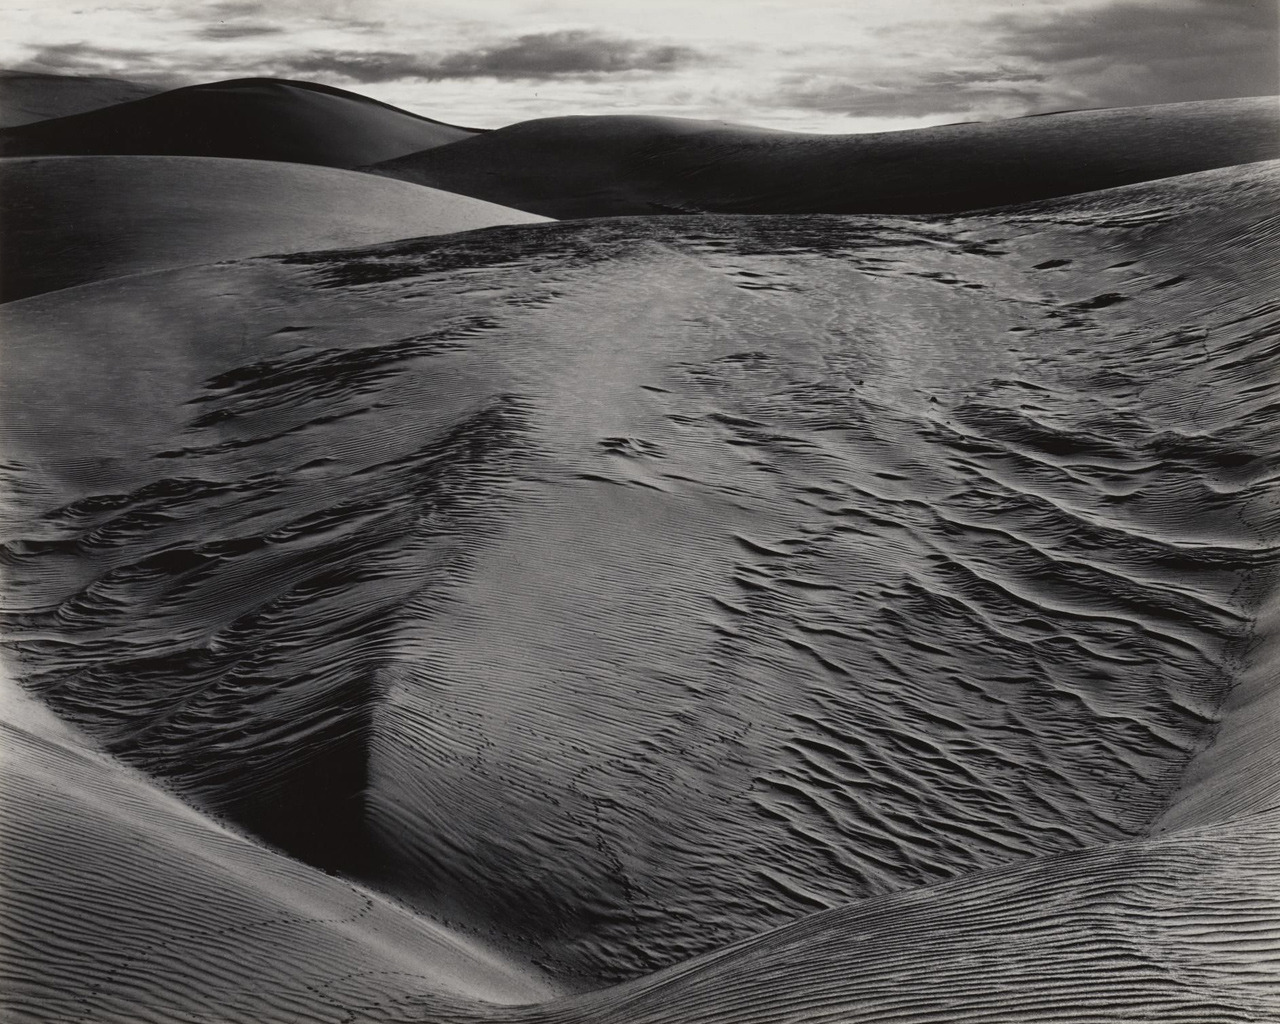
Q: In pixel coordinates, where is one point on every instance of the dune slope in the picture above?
(251, 118)
(620, 590)
(27, 96)
(71, 220)
(602, 166)
(120, 903)
(1185, 928)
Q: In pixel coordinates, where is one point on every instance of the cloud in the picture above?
(238, 30)
(1123, 53)
(854, 67)
(994, 90)
(1130, 52)
(554, 54)
(71, 57)
(355, 65)
(238, 8)
(91, 59)
(540, 56)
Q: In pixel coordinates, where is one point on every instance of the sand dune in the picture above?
(27, 96)
(71, 220)
(608, 165)
(623, 593)
(252, 118)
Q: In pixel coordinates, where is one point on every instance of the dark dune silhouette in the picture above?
(250, 118)
(792, 618)
(610, 165)
(71, 220)
(27, 96)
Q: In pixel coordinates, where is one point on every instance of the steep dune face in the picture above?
(26, 97)
(1239, 773)
(252, 118)
(120, 903)
(71, 220)
(622, 590)
(604, 166)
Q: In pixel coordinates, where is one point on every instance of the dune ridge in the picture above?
(625, 165)
(120, 903)
(71, 220)
(249, 118)
(1238, 774)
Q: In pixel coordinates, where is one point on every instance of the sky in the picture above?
(806, 65)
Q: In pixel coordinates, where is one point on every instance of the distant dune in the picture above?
(71, 220)
(608, 165)
(27, 96)
(252, 118)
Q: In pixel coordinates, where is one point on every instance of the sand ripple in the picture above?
(618, 590)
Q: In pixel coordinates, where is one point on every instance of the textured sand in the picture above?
(843, 618)
(120, 903)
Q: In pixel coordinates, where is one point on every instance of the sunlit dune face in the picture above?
(816, 66)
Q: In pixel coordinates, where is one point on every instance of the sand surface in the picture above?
(121, 903)
(608, 165)
(252, 118)
(71, 220)
(786, 618)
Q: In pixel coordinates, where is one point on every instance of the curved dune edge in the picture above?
(248, 118)
(1182, 926)
(610, 165)
(119, 902)
(1239, 773)
(173, 915)
(72, 220)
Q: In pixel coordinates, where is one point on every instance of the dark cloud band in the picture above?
(238, 30)
(1126, 53)
(544, 55)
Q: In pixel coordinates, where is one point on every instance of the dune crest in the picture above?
(71, 220)
(173, 916)
(250, 118)
(611, 165)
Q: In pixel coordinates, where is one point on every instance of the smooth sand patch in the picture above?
(71, 220)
